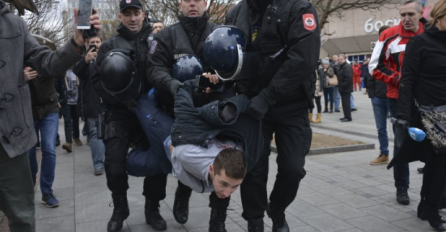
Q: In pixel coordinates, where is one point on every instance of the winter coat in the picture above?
(89, 101)
(199, 124)
(19, 49)
(345, 78)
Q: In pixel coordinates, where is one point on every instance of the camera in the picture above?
(92, 46)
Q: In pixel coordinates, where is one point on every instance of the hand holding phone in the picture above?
(203, 82)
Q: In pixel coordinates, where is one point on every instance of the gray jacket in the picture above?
(19, 49)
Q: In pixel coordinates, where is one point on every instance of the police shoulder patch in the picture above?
(153, 46)
(309, 22)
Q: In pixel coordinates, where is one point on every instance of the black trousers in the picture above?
(75, 120)
(128, 130)
(291, 127)
(434, 178)
(345, 98)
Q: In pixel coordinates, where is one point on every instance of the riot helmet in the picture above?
(223, 51)
(119, 77)
(187, 68)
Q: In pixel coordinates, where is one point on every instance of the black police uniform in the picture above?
(125, 124)
(169, 45)
(280, 92)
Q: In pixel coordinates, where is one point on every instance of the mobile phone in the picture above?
(85, 10)
(202, 82)
(92, 46)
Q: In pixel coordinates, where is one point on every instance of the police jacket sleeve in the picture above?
(96, 77)
(161, 64)
(303, 41)
(81, 69)
(411, 65)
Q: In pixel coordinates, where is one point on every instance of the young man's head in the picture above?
(132, 15)
(335, 58)
(193, 8)
(410, 12)
(227, 172)
(157, 26)
(94, 41)
(341, 59)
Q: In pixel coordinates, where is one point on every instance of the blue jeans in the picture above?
(337, 98)
(352, 102)
(96, 145)
(401, 170)
(48, 128)
(381, 109)
(157, 126)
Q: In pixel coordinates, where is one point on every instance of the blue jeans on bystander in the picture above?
(381, 109)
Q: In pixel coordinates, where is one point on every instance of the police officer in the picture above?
(184, 38)
(285, 36)
(121, 125)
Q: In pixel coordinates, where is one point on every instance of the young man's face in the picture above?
(157, 27)
(95, 41)
(193, 8)
(224, 186)
(341, 60)
(132, 18)
(410, 16)
(334, 58)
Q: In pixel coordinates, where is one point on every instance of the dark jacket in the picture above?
(199, 124)
(287, 77)
(89, 102)
(125, 40)
(18, 49)
(375, 88)
(424, 79)
(329, 73)
(186, 37)
(345, 78)
(44, 97)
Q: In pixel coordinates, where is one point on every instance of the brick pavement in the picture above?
(341, 192)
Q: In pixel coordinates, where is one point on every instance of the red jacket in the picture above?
(387, 58)
(356, 71)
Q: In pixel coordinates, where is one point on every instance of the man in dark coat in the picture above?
(345, 85)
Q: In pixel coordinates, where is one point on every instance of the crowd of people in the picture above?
(178, 100)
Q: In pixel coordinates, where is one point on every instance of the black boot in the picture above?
(255, 225)
(217, 221)
(181, 205)
(402, 197)
(120, 213)
(430, 212)
(277, 215)
(153, 216)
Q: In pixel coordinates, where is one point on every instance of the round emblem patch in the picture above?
(309, 22)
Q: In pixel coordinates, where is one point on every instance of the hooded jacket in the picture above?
(387, 57)
(19, 49)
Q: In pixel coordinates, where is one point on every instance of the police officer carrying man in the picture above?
(285, 36)
(119, 77)
(184, 38)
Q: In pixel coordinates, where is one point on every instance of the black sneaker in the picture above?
(402, 197)
(50, 200)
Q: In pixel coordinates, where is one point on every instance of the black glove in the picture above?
(401, 127)
(260, 104)
(227, 112)
(174, 85)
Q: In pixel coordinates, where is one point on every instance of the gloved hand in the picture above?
(227, 112)
(401, 127)
(174, 85)
(260, 105)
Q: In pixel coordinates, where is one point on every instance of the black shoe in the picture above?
(342, 118)
(402, 197)
(217, 221)
(420, 170)
(435, 220)
(337, 111)
(277, 215)
(181, 205)
(354, 109)
(153, 216)
(255, 225)
(346, 120)
(120, 213)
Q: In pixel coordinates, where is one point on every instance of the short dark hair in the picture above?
(232, 161)
(97, 36)
(383, 28)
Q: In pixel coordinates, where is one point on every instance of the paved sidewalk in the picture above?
(341, 191)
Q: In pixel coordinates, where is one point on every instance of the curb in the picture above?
(327, 150)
